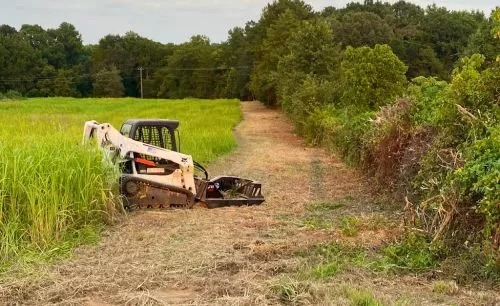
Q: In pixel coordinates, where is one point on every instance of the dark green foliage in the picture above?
(127, 53)
(448, 32)
(38, 62)
(236, 54)
(371, 77)
(264, 79)
(108, 83)
(363, 29)
(189, 71)
(421, 59)
(479, 178)
(20, 62)
(303, 72)
(10, 95)
(482, 42)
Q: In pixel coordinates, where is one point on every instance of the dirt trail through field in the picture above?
(233, 255)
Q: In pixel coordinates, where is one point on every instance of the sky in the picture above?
(165, 20)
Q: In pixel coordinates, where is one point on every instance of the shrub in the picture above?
(319, 126)
(426, 95)
(349, 139)
(479, 180)
(413, 253)
(11, 95)
(311, 95)
(371, 77)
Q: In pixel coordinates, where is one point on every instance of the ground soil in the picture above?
(242, 255)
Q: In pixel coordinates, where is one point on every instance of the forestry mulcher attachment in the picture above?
(154, 174)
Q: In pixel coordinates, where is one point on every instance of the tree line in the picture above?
(54, 62)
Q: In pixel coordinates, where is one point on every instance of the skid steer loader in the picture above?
(154, 174)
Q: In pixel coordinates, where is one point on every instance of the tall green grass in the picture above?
(53, 189)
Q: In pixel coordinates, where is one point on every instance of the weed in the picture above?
(321, 214)
(362, 297)
(411, 254)
(414, 253)
(324, 261)
(315, 223)
(178, 238)
(349, 226)
(373, 222)
(291, 291)
(444, 287)
(325, 206)
(326, 270)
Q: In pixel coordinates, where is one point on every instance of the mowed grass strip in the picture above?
(53, 189)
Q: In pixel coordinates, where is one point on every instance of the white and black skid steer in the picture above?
(156, 175)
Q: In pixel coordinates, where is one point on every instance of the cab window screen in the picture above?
(167, 138)
(156, 136)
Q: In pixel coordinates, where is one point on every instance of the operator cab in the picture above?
(161, 133)
(156, 132)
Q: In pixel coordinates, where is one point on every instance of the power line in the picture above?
(70, 78)
(203, 68)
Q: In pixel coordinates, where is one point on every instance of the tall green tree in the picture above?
(484, 40)
(363, 29)
(312, 63)
(237, 58)
(406, 14)
(21, 63)
(268, 38)
(448, 32)
(191, 70)
(263, 81)
(66, 58)
(128, 53)
(108, 83)
(371, 77)
(65, 46)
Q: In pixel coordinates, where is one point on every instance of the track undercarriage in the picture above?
(221, 191)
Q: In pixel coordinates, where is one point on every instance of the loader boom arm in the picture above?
(110, 139)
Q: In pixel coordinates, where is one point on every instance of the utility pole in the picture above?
(140, 70)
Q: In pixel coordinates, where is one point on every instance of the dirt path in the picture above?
(245, 255)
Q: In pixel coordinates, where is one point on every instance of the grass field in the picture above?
(54, 192)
